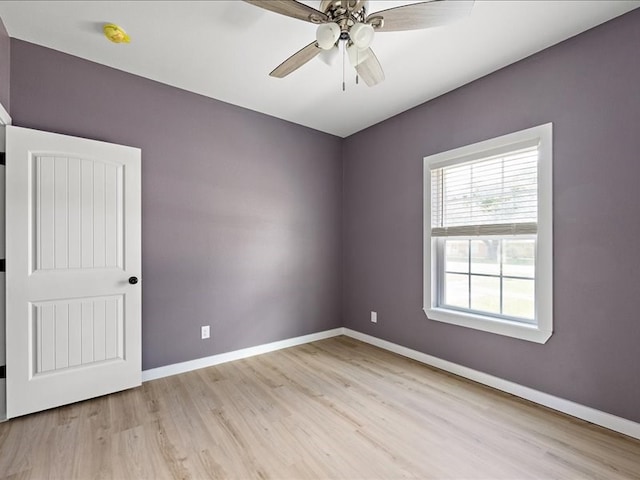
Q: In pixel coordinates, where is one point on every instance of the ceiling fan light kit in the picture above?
(361, 34)
(347, 21)
(358, 56)
(330, 56)
(327, 35)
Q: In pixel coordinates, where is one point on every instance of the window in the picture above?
(488, 235)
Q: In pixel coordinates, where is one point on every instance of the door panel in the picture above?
(78, 213)
(73, 332)
(73, 329)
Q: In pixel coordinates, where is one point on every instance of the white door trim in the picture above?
(5, 119)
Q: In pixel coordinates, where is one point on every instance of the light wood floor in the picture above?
(336, 408)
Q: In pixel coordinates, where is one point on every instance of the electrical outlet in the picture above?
(205, 332)
(374, 317)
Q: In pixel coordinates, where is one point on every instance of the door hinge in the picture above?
(3, 371)
(3, 158)
(2, 267)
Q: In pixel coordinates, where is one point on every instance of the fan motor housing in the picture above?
(335, 10)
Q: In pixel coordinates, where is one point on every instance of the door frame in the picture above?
(5, 119)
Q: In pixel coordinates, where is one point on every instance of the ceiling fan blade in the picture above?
(420, 15)
(292, 8)
(296, 60)
(370, 69)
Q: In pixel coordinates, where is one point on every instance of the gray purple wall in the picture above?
(241, 212)
(5, 66)
(589, 87)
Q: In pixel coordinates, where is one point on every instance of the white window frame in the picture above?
(542, 328)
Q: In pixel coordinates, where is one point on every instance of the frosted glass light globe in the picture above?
(327, 34)
(357, 56)
(361, 35)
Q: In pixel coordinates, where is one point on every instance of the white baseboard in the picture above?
(583, 412)
(603, 419)
(183, 367)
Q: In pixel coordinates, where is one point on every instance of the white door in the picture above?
(73, 255)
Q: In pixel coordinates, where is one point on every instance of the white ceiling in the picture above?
(225, 50)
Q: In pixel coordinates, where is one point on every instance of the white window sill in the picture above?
(523, 331)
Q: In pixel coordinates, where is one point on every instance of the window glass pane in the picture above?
(518, 298)
(519, 258)
(485, 294)
(457, 256)
(485, 256)
(456, 290)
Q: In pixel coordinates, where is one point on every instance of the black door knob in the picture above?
(133, 280)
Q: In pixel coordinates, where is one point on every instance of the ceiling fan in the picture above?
(349, 21)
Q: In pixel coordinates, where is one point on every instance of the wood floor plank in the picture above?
(336, 408)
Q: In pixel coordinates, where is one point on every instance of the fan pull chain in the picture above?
(344, 51)
(357, 63)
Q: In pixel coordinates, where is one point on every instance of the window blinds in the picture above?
(495, 195)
